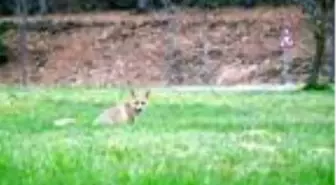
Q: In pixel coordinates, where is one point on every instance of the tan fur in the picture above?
(125, 112)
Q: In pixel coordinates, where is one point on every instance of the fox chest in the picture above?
(118, 115)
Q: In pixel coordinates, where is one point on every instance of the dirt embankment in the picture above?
(229, 46)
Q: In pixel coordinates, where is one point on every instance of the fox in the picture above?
(125, 112)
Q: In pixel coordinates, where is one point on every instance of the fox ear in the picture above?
(148, 92)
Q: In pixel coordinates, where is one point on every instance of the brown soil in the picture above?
(242, 47)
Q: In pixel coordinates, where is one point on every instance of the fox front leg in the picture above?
(132, 120)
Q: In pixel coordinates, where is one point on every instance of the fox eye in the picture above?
(143, 103)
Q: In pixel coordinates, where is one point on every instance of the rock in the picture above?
(64, 121)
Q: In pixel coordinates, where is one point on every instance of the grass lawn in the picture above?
(182, 139)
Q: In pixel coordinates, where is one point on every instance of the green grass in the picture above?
(184, 139)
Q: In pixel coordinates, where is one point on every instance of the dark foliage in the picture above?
(318, 87)
(4, 26)
(7, 7)
(3, 53)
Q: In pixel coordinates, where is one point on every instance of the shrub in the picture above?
(4, 26)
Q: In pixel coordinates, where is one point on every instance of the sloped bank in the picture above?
(242, 47)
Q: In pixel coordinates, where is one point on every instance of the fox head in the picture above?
(138, 102)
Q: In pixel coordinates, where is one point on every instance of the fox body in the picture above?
(125, 112)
